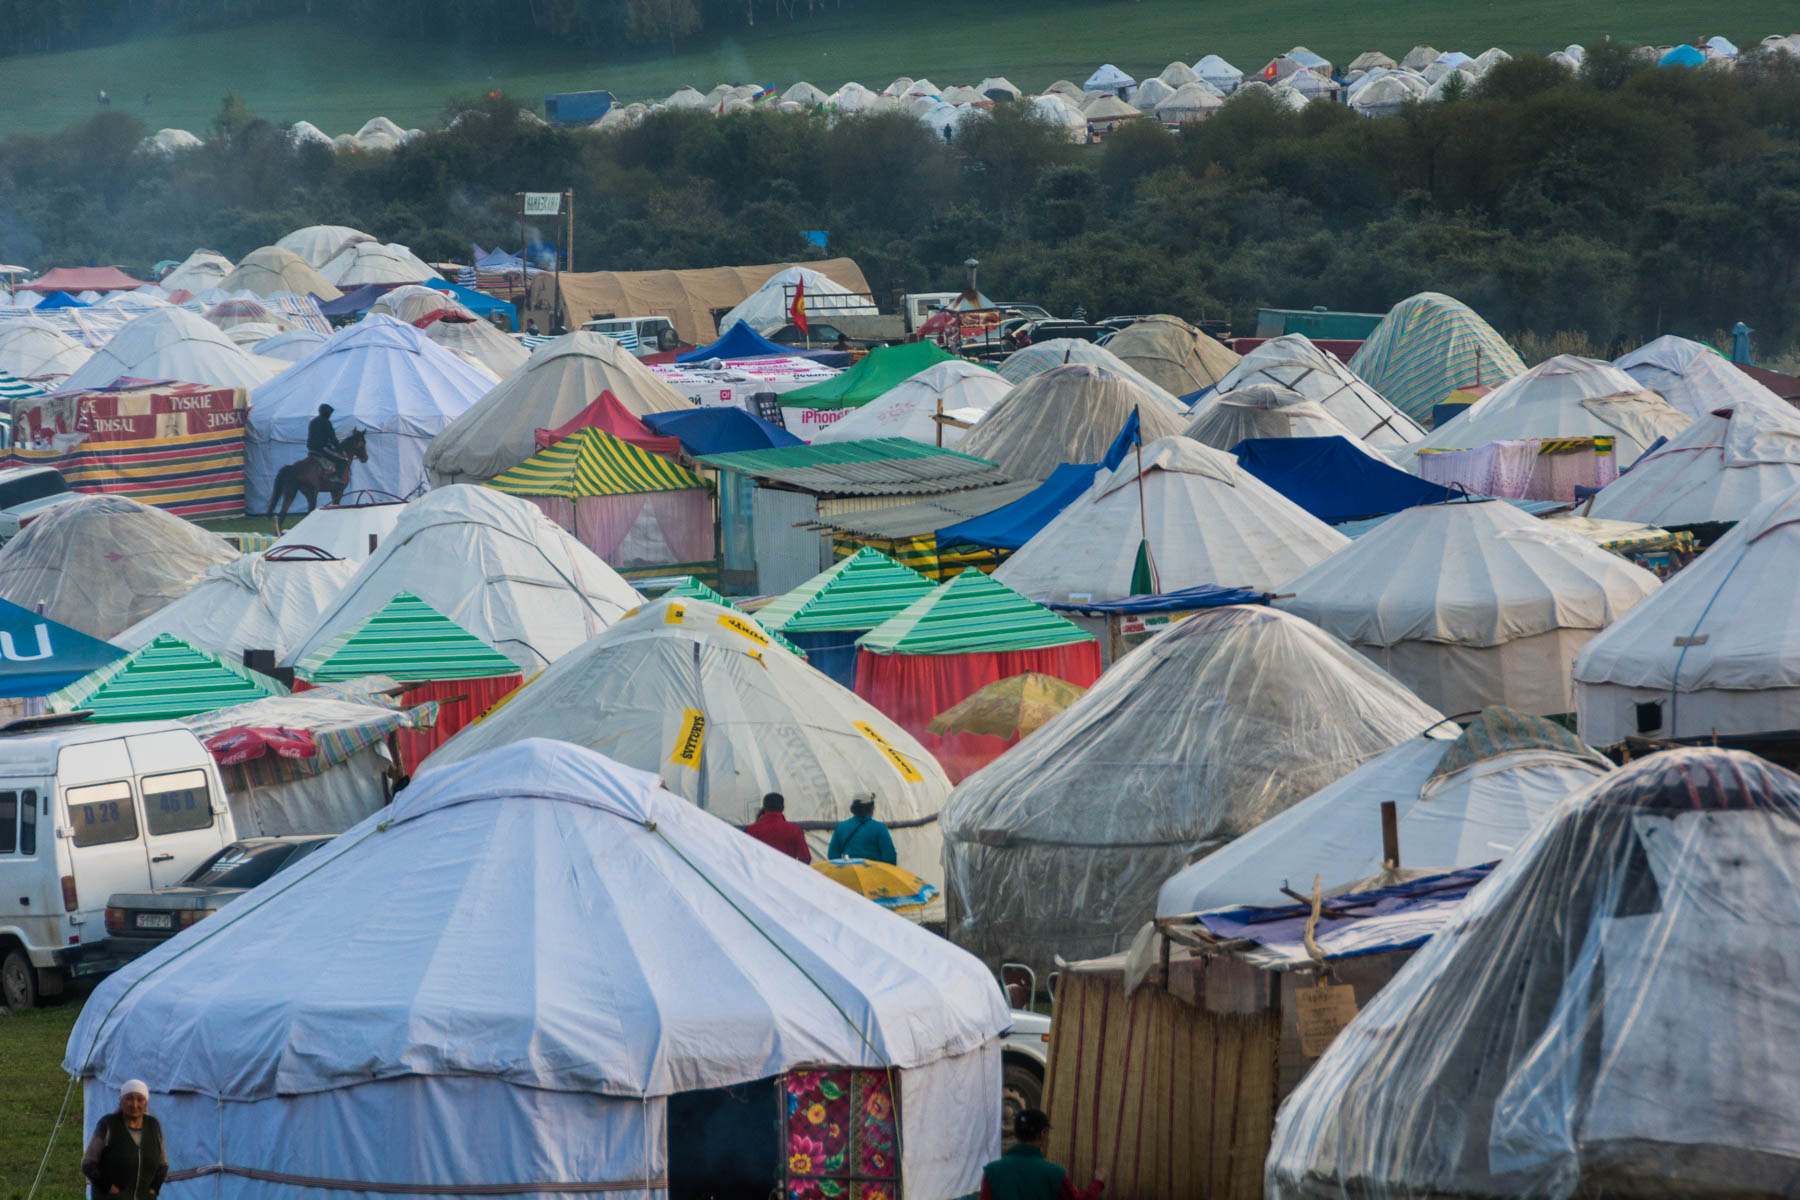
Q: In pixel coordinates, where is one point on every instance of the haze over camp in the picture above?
(747, 601)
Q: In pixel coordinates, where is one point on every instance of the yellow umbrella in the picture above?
(1017, 704)
(889, 886)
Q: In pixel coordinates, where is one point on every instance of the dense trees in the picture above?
(1633, 202)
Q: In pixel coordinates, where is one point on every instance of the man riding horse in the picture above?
(326, 467)
(323, 445)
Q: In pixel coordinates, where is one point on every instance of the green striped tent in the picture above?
(592, 462)
(409, 641)
(860, 592)
(689, 588)
(971, 614)
(1428, 346)
(165, 680)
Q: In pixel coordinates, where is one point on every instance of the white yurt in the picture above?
(959, 389)
(561, 378)
(171, 343)
(1150, 95)
(1471, 604)
(253, 602)
(703, 697)
(479, 342)
(1189, 103)
(1595, 1019)
(198, 271)
(1219, 74)
(805, 93)
(1176, 74)
(768, 306)
(687, 985)
(1264, 410)
(1110, 79)
(1715, 471)
(1694, 378)
(290, 345)
(1387, 95)
(1461, 798)
(303, 133)
(351, 530)
(1199, 735)
(410, 301)
(1205, 519)
(272, 269)
(170, 141)
(493, 564)
(1293, 362)
(687, 97)
(372, 262)
(1368, 60)
(999, 87)
(319, 244)
(382, 377)
(1067, 414)
(1419, 57)
(32, 348)
(1715, 652)
(1039, 357)
(1172, 354)
(1058, 110)
(852, 98)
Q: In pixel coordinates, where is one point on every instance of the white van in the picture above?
(643, 336)
(86, 811)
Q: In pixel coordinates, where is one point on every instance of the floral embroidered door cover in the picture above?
(841, 1127)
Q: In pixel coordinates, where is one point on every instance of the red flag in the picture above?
(797, 313)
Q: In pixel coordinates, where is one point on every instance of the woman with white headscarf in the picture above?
(125, 1156)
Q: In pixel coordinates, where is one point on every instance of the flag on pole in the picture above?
(797, 312)
(1144, 581)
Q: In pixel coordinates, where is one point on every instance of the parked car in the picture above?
(1024, 1063)
(643, 336)
(86, 811)
(818, 335)
(27, 493)
(141, 921)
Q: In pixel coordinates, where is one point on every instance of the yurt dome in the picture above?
(170, 343)
(686, 97)
(290, 345)
(100, 564)
(1429, 345)
(1205, 519)
(1597, 1015)
(198, 271)
(562, 377)
(1176, 74)
(1067, 414)
(346, 530)
(1264, 410)
(253, 602)
(479, 342)
(1197, 736)
(1293, 362)
(668, 956)
(319, 244)
(1150, 94)
(32, 348)
(1189, 103)
(1220, 74)
(959, 389)
(768, 306)
(1714, 472)
(1471, 605)
(805, 93)
(1368, 60)
(1172, 354)
(272, 269)
(701, 696)
(410, 301)
(999, 87)
(382, 377)
(371, 262)
(1038, 357)
(1694, 378)
(228, 314)
(1110, 79)
(1060, 110)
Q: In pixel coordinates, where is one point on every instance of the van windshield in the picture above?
(240, 866)
(34, 485)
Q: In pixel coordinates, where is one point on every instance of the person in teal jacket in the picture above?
(1023, 1173)
(862, 836)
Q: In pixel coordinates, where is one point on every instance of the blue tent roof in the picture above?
(740, 341)
(1012, 525)
(479, 303)
(1205, 595)
(1332, 479)
(41, 656)
(59, 300)
(356, 301)
(1683, 55)
(718, 429)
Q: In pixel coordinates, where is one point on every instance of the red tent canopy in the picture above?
(82, 279)
(609, 415)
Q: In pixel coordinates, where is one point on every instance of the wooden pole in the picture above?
(1143, 521)
(1390, 836)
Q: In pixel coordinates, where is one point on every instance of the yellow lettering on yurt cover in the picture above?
(747, 628)
(901, 763)
(675, 614)
(690, 739)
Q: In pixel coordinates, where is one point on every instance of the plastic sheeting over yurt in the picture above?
(1172, 354)
(1264, 410)
(1067, 414)
(1595, 1020)
(1293, 362)
(1471, 605)
(562, 377)
(1694, 378)
(319, 244)
(479, 342)
(1197, 736)
(961, 390)
(344, 530)
(197, 272)
(281, 1049)
(253, 602)
(493, 564)
(1205, 519)
(170, 343)
(272, 269)
(702, 696)
(769, 306)
(100, 564)
(1039, 357)
(1713, 472)
(372, 262)
(1715, 652)
(290, 345)
(1429, 345)
(381, 377)
(31, 348)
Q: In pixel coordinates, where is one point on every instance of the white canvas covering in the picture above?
(768, 306)
(246, 604)
(1039, 357)
(562, 377)
(1060, 112)
(1694, 378)
(170, 343)
(291, 345)
(31, 349)
(1471, 605)
(1447, 820)
(1188, 103)
(1264, 410)
(372, 262)
(1207, 520)
(1067, 414)
(1172, 354)
(410, 301)
(481, 343)
(665, 952)
(964, 390)
(805, 93)
(1220, 74)
(1716, 650)
(380, 376)
(1597, 1019)
(198, 271)
(493, 564)
(1197, 736)
(770, 723)
(319, 244)
(1110, 79)
(343, 530)
(1716, 470)
(272, 269)
(102, 563)
(1293, 362)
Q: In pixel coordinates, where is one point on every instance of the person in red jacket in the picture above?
(771, 828)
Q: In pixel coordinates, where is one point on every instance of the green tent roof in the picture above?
(690, 588)
(880, 370)
(860, 592)
(165, 680)
(410, 641)
(971, 614)
(592, 462)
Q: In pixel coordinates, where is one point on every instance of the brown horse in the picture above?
(307, 478)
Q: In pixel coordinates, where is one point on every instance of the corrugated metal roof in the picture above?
(166, 679)
(971, 614)
(870, 467)
(919, 517)
(859, 593)
(410, 641)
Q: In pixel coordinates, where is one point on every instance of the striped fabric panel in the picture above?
(165, 680)
(592, 462)
(12, 387)
(859, 593)
(921, 554)
(407, 640)
(188, 476)
(1426, 348)
(971, 614)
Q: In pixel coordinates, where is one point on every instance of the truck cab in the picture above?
(85, 811)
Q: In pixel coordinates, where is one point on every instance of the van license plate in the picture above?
(155, 921)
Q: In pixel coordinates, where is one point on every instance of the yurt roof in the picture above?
(164, 680)
(1172, 354)
(1066, 414)
(170, 343)
(249, 603)
(272, 269)
(1716, 470)
(856, 593)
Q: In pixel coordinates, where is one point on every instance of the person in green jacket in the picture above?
(125, 1156)
(862, 836)
(1023, 1173)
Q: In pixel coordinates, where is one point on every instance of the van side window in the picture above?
(9, 822)
(28, 815)
(177, 802)
(102, 813)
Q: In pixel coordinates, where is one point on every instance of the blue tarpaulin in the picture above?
(718, 430)
(39, 656)
(58, 300)
(479, 303)
(357, 300)
(1206, 595)
(741, 341)
(1333, 480)
(1012, 525)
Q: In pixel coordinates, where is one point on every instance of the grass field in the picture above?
(293, 70)
(31, 1089)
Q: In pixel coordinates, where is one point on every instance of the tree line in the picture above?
(1617, 205)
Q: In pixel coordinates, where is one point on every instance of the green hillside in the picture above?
(293, 70)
